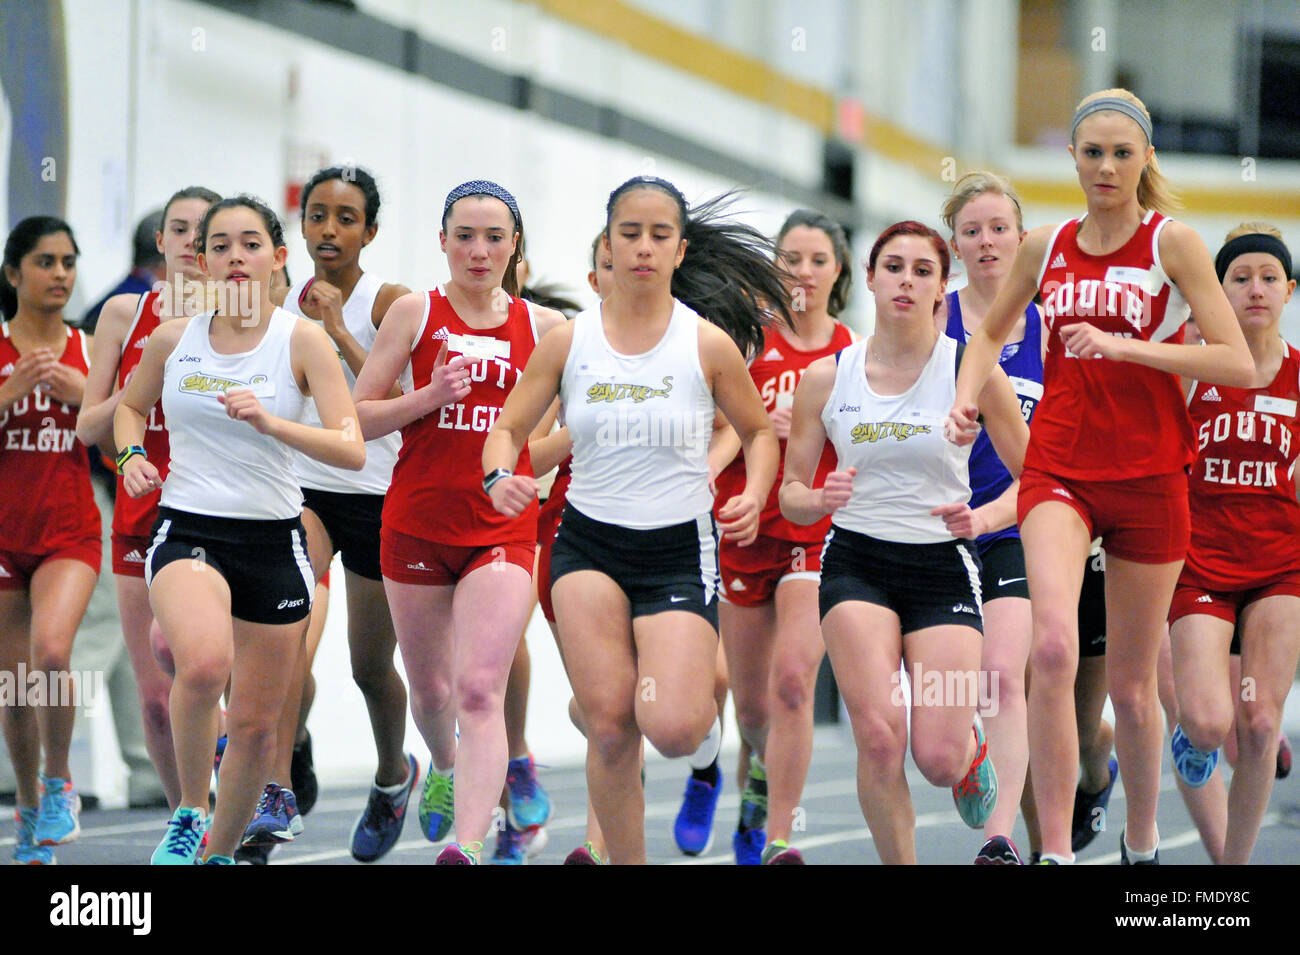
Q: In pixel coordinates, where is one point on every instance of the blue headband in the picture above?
(1117, 104)
(481, 187)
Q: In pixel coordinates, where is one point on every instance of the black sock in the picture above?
(707, 775)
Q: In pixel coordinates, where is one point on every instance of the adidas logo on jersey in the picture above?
(1058, 262)
(441, 335)
(4, 572)
(773, 354)
(141, 342)
(135, 557)
(7, 369)
(419, 566)
(1205, 599)
(1061, 491)
(737, 584)
(1212, 395)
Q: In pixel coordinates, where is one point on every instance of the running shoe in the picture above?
(977, 794)
(59, 821)
(528, 805)
(1090, 811)
(216, 860)
(586, 855)
(779, 853)
(292, 812)
(270, 823)
(1123, 854)
(1283, 757)
(457, 854)
(26, 849)
(253, 855)
(998, 851)
(753, 801)
(437, 806)
(535, 840)
(693, 828)
(218, 756)
(1194, 766)
(511, 847)
(381, 822)
(1041, 861)
(180, 846)
(748, 844)
(302, 776)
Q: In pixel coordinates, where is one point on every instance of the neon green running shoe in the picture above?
(753, 801)
(437, 805)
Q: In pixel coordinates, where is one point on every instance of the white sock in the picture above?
(1135, 856)
(704, 757)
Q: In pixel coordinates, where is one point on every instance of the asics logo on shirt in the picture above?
(184, 357)
(874, 431)
(613, 391)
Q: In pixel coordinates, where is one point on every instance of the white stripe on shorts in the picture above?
(158, 538)
(973, 573)
(708, 556)
(304, 565)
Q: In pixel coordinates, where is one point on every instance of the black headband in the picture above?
(1252, 242)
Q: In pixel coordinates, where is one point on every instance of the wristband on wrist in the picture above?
(127, 454)
(494, 476)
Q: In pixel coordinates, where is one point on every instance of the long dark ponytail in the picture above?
(728, 274)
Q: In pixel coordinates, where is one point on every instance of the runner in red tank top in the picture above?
(457, 573)
(768, 618)
(49, 523)
(1102, 461)
(1245, 550)
(125, 324)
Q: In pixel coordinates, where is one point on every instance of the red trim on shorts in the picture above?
(750, 575)
(413, 560)
(1143, 520)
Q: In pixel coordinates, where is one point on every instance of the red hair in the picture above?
(912, 227)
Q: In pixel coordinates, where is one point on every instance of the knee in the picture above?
(1206, 725)
(155, 713)
(1135, 700)
(943, 762)
(1257, 727)
(370, 676)
(612, 734)
(49, 653)
(791, 685)
(479, 694)
(431, 693)
(1055, 653)
(205, 674)
(254, 733)
(880, 743)
(751, 714)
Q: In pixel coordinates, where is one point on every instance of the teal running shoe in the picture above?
(185, 832)
(528, 805)
(511, 847)
(26, 849)
(977, 794)
(59, 821)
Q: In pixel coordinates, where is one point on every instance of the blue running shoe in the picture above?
(185, 832)
(59, 821)
(291, 812)
(977, 794)
(270, 824)
(1194, 766)
(748, 845)
(217, 757)
(1090, 811)
(693, 829)
(437, 805)
(528, 804)
(26, 850)
(381, 822)
(511, 847)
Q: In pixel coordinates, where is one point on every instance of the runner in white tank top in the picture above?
(896, 586)
(644, 577)
(228, 575)
(342, 510)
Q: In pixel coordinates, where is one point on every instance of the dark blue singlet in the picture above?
(1023, 363)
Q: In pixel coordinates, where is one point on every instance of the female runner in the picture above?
(634, 566)
(768, 612)
(229, 580)
(457, 574)
(49, 524)
(897, 584)
(1243, 565)
(983, 215)
(125, 324)
(1111, 441)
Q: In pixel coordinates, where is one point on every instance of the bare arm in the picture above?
(95, 422)
(380, 414)
(138, 398)
(1224, 359)
(801, 503)
(338, 441)
(738, 399)
(984, 346)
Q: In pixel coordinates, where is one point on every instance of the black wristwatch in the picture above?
(493, 477)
